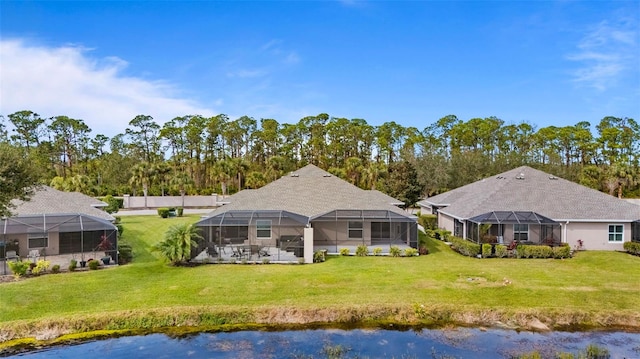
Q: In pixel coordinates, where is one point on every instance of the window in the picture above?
(520, 232)
(263, 229)
(616, 232)
(39, 240)
(457, 228)
(380, 230)
(355, 229)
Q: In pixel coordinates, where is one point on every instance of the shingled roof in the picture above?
(47, 200)
(528, 189)
(311, 192)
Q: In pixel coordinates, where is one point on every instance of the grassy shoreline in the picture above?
(594, 290)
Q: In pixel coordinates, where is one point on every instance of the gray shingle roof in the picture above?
(47, 200)
(528, 189)
(310, 191)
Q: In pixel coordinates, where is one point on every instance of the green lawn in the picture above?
(606, 283)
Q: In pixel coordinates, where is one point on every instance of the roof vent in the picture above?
(500, 177)
(295, 175)
(520, 176)
(553, 177)
(326, 175)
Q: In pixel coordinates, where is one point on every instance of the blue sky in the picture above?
(544, 62)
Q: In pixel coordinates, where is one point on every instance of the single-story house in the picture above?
(305, 211)
(55, 224)
(525, 204)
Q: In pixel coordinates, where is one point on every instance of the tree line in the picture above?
(193, 154)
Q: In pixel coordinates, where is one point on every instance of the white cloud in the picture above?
(67, 81)
(606, 54)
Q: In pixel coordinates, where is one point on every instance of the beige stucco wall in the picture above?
(595, 236)
(445, 222)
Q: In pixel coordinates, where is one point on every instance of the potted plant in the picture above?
(105, 246)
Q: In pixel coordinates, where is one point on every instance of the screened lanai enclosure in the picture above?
(56, 237)
(373, 228)
(279, 235)
(509, 226)
(251, 235)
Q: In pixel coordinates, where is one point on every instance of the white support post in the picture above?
(308, 245)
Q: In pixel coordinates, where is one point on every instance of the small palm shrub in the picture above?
(410, 252)
(362, 251)
(177, 243)
(377, 251)
(73, 264)
(395, 251)
(344, 251)
(55, 268)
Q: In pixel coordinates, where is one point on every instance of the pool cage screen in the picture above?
(372, 228)
(524, 226)
(272, 235)
(56, 234)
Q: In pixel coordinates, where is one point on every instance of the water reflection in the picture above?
(427, 343)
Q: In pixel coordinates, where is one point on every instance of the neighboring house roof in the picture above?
(528, 189)
(311, 192)
(47, 200)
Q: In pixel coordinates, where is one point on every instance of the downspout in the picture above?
(564, 235)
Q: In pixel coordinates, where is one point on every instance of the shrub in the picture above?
(537, 251)
(465, 247)
(423, 250)
(428, 221)
(19, 268)
(443, 235)
(94, 264)
(486, 250)
(520, 251)
(179, 211)
(266, 260)
(410, 252)
(632, 247)
(344, 251)
(73, 264)
(125, 253)
(377, 251)
(55, 268)
(501, 251)
(318, 257)
(120, 228)
(563, 251)
(395, 251)
(362, 251)
(163, 212)
(113, 204)
(41, 267)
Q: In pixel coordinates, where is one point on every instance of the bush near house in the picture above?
(563, 251)
(486, 250)
(163, 212)
(464, 247)
(632, 247)
(501, 251)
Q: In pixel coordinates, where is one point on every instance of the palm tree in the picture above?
(140, 176)
(177, 243)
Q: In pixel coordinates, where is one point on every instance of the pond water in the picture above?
(360, 343)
